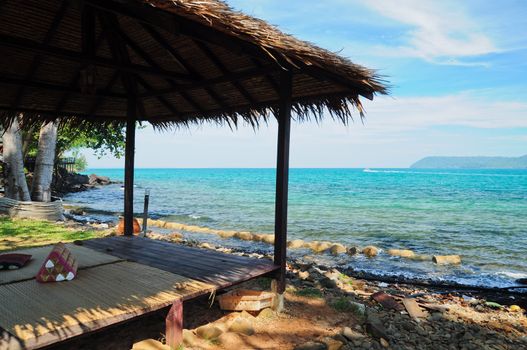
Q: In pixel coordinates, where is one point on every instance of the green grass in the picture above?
(342, 305)
(309, 293)
(21, 233)
(264, 283)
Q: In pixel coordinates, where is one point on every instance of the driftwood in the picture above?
(52, 211)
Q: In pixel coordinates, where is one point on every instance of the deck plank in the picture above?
(219, 269)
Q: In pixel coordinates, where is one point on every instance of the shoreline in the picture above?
(322, 251)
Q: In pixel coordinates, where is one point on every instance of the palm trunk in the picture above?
(16, 185)
(43, 174)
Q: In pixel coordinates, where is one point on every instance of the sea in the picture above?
(480, 215)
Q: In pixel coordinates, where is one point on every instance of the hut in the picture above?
(171, 63)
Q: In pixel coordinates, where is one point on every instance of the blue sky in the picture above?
(458, 71)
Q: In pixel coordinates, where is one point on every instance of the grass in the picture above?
(342, 305)
(22, 233)
(309, 293)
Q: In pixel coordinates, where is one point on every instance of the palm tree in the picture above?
(43, 173)
(16, 185)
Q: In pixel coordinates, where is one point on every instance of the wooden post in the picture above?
(282, 178)
(174, 325)
(129, 168)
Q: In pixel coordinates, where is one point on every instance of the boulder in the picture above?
(353, 250)
(295, 244)
(303, 275)
(246, 236)
(320, 247)
(350, 334)
(312, 345)
(370, 251)
(403, 253)
(226, 234)
(266, 313)
(95, 180)
(337, 249)
(268, 239)
(175, 236)
(233, 341)
(190, 340)
(446, 259)
(242, 325)
(208, 332)
(332, 344)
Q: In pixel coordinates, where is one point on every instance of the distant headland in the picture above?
(472, 163)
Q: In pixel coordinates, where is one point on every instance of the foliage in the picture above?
(342, 305)
(80, 161)
(107, 140)
(309, 293)
(20, 233)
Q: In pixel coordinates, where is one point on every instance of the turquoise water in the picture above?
(478, 214)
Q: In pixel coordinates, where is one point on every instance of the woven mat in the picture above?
(44, 313)
(85, 257)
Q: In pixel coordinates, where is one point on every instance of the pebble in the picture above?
(312, 345)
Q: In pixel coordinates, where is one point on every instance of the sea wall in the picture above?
(315, 246)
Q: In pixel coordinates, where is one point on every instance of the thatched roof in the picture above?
(183, 61)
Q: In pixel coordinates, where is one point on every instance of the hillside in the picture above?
(472, 163)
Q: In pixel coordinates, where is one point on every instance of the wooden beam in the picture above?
(282, 177)
(75, 80)
(174, 325)
(148, 59)
(53, 87)
(221, 67)
(129, 155)
(26, 44)
(246, 74)
(178, 58)
(108, 88)
(37, 59)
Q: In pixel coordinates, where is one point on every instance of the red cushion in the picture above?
(11, 261)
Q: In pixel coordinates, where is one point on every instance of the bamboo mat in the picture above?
(85, 258)
(44, 313)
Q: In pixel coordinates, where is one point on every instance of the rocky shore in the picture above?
(328, 309)
(69, 182)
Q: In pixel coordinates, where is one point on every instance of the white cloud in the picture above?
(439, 32)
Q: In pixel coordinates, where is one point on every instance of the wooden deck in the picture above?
(146, 277)
(215, 268)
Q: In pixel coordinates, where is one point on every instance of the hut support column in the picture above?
(282, 180)
(129, 169)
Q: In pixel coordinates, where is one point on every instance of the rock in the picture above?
(241, 325)
(191, 340)
(337, 249)
(359, 310)
(295, 244)
(120, 226)
(268, 239)
(208, 332)
(233, 341)
(370, 251)
(403, 253)
(320, 247)
(311, 345)
(266, 313)
(332, 344)
(205, 245)
(77, 211)
(303, 275)
(384, 343)
(246, 236)
(374, 327)
(95, 180)
(328, 283)
(175, 236)
(353, 250)
(421, 257)
(515, 308)
(150, 344)
(226, 234)
(446, 259)
(350, 334)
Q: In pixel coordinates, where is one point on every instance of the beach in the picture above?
(477, 214)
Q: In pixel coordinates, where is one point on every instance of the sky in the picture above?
(458, 77)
